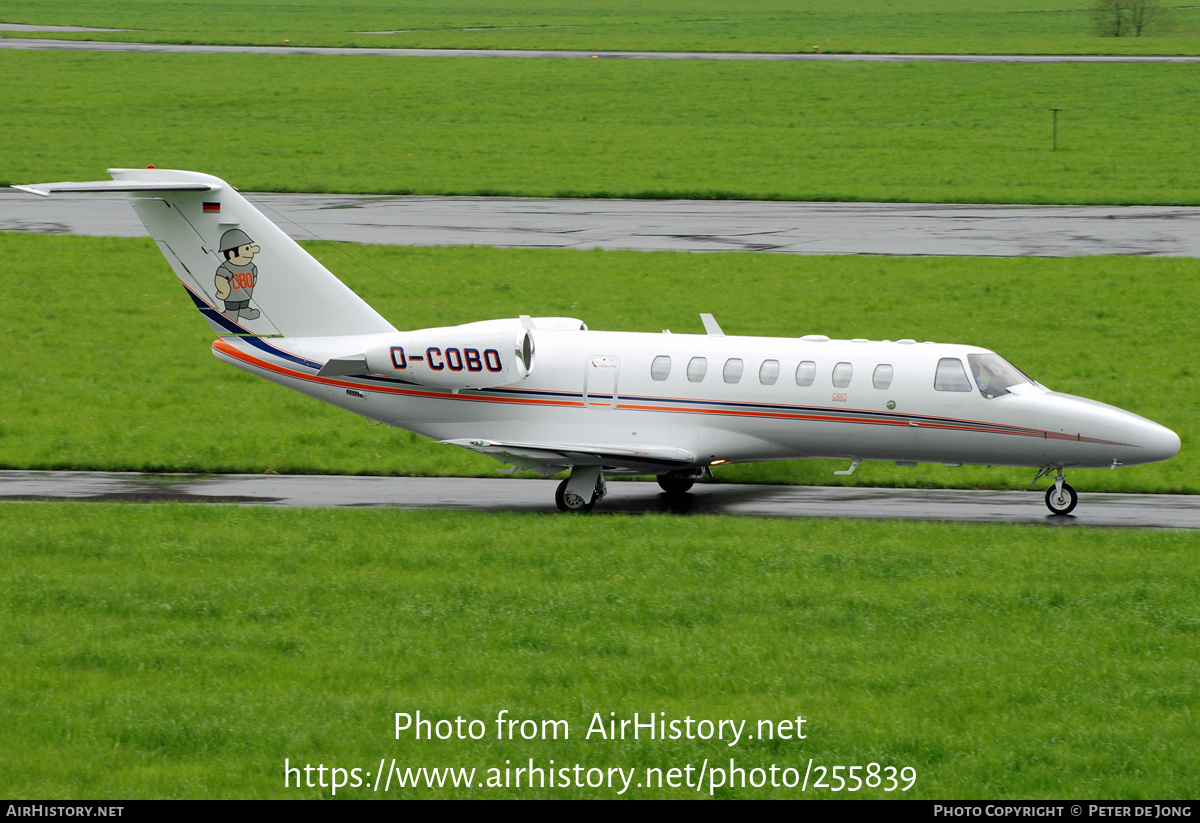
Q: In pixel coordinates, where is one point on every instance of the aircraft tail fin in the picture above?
(245, 275)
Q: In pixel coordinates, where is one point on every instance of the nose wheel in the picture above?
(1060, 498)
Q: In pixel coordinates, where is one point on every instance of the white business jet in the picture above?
(548, 394)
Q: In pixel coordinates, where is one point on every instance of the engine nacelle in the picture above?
(456, 357)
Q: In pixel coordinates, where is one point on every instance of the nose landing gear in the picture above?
(1060, 498)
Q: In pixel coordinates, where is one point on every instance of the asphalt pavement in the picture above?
(512, 495)
(668, 225)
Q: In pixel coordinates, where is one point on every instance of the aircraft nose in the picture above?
(1156, 442)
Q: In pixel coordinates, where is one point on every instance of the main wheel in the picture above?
(572, 502)
(675, 484)
(1061, 502)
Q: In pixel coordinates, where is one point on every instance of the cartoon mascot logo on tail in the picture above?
(237, 276)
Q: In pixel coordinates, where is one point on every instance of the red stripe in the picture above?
(225, 347)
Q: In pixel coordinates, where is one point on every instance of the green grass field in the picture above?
(112, 367)
(923, 133)
(930, 26)
(185, 651)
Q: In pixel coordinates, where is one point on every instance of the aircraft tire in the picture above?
(560, 499)
(674, 484)
(1064, 503)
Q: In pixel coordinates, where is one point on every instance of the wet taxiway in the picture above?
(668, 225)
(510, 495)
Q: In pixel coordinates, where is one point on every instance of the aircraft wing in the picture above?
(552, 457)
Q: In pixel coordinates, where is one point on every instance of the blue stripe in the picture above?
(217, 318)
(535, 392)
(263, 345)
(200, 304)
(376, 378)
(866, 414)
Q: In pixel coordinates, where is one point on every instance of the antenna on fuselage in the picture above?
(711, 327)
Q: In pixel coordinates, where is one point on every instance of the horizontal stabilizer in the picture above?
(246, 277)
(46, 189)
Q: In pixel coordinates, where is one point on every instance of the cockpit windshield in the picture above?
(993, 374)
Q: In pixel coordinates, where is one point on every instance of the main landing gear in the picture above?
(1060, 498)
(582, 490)
(677, 484)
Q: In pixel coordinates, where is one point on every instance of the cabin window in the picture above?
(660, 368)
(882, 378)
(951, 376)
(733, 370)
(842, 373)
(697, 367)
(806, 373)
(768, 372)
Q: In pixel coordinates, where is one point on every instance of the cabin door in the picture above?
(600, 381)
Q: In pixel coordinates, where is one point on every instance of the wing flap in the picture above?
(650, 459)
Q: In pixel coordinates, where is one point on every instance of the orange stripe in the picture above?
(823, 418)
(224, 347)
(924, 417)
(221, 345)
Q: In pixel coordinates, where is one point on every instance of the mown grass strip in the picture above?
(185, 651)
(912, 132)
(108, 365)
(933, 26)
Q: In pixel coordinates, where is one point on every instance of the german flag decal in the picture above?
(212, 208)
